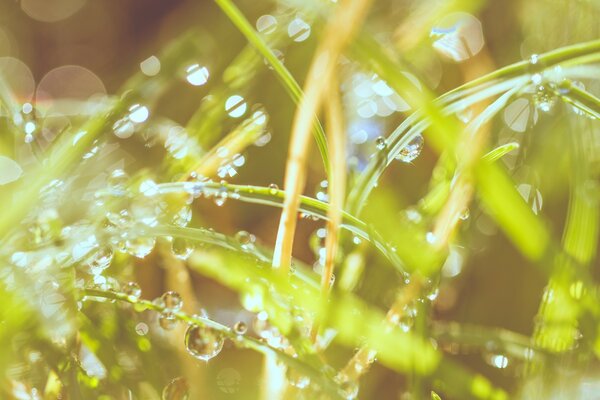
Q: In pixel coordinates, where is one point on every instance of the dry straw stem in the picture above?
(336, 187)
(361, 361)
(337, 34)
(472, 145)
(337, 180)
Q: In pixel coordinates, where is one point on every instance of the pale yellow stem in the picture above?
(337, 180)
(360, 363)
(340, 30)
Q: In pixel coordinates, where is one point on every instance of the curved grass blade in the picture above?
(290, 84)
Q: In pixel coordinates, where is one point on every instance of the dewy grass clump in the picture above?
(319, 200)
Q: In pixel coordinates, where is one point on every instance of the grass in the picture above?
(374, 312)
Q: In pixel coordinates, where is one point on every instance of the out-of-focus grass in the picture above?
(73, 326)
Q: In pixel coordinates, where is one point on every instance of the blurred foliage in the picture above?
(141, 148)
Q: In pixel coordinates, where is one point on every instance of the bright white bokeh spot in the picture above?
(266, 24)
(18, 78)
(10, 170)
(27, 108)
(197, 75)
(138, 113)
(458, 36)
(30, 127)
(51, 10)
(150, 66)
(235, 106)
(68, 90)
(298, 30)
(367, 109)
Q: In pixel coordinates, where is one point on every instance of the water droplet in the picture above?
(220, 200)
(197, 75)
(246, 239)
(182, 217)
(27, 108)
(150, 66)
(263, 140)
(412, 150)
(202, 342)
(182, 248)
(117, 180)
(100, 260)
(536, 79)
(534, 59)
(172, 301)
(10, 170)
(380, 143)
(430, 238)
(138, 113)
(132, 289)
(266, 24)
(139, 247)
(167, 320)
(544, 99)
(348, 386)
(123, 128)
(240, 328)
(177, 142)
(297, 379)
(273, 189)
(149, 188)
(235, 106)
(177, 389)
(298, 30)
(498, 361)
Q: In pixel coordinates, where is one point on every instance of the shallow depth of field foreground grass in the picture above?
(299, 199)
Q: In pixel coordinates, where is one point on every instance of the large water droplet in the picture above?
(150, 66)
(348, 386)
(240, 328)
(235, 106)
(172, 301)
(167, 320)
(138, 113)
(380, 143)
(412, 150)
(182, 248)
(298, 30)
(544, 98)
(202, 342)
(197, 75)
(123, 128)
(139, 247)
(266, 24)
(132, 289)
(100, 260)
(177, 389)
(297, 379)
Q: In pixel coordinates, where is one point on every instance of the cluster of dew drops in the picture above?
(201, 341)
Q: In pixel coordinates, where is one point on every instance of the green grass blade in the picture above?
(290, 84)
